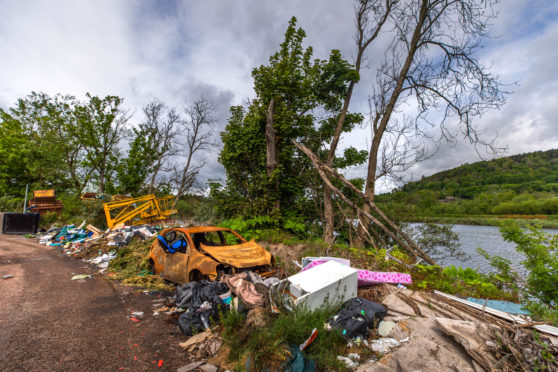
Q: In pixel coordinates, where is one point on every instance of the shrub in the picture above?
(538, 291)
(10, 204)
(266, 346)
(264, 226)
(541, 260)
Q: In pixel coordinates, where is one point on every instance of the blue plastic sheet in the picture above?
(508, 307)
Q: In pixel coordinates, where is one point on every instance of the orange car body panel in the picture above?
(177, 266)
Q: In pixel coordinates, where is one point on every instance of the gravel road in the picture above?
(51, 323)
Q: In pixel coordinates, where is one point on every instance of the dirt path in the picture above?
(49, 322)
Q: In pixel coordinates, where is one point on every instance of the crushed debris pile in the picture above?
(380, 324)
(91, 244)
(433, 331)
(386, 327)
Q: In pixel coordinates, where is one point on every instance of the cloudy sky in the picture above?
(179, 50)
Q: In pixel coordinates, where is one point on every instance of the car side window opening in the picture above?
(213, 238)
(174, 242)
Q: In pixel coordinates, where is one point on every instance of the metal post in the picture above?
(25, 203)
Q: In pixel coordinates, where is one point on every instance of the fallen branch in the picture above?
(410, 246)
(365, 235)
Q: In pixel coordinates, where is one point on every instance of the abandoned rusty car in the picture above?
(183, 255)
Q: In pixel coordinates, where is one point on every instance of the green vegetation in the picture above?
(76, 211)
(267, 343)
(516, 187)
(538, 289)
(131, 266)
(264, 226)
(295, 88)
(464, 282)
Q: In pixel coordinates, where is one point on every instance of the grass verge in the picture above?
(267, 344)
(132, 268)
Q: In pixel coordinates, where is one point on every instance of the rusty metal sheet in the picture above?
(243, 255)
(202, 263)
(44, 194)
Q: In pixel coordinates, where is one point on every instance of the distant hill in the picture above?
(525, 184)
(530, 172)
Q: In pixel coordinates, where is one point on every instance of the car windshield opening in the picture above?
(216, 239)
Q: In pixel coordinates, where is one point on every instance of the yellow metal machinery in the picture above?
(137, 211)
(44, 201)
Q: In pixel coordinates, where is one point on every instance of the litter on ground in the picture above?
(81, 276)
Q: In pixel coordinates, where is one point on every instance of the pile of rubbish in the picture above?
(421, 331)
(91, 244)
(197, 306)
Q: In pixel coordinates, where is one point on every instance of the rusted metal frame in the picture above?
(322, 168)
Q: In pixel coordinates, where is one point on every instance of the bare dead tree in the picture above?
(163, 127)
(432, 60)
(197, 138)
(370, 17)
(398, 152)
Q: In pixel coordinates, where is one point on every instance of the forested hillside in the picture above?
(531, 172)
(525, 184)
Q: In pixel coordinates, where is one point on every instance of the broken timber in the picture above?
(322, 169)
(503, 315)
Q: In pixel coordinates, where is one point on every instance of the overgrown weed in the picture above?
(132, 267)
(268, 346)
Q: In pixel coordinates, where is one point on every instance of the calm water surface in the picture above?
(488, 238)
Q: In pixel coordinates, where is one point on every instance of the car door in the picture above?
(176, 263)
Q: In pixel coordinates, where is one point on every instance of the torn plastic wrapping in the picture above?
(194, 294)
(204, 301)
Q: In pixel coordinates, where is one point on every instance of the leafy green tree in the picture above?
(133, 170)
(38, 143)
(302, 98)
(101, 124)
(16, 151)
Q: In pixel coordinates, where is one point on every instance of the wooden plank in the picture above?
(501, 314)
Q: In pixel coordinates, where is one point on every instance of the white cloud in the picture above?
(176, 50)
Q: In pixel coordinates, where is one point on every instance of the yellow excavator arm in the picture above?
(137, 211)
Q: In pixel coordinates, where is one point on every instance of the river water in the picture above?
(488, 238)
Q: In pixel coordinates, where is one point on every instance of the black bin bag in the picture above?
(357, 316)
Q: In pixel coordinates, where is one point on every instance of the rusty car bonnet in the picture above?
(247, 254)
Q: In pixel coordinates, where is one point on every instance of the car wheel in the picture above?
(151, 267)
(196, 276)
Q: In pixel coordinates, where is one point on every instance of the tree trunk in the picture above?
(328, 216)
(386, 116)
(405, 242)
(272, 152)
(153, 176)
(102, 182)
(363, 41)
(328, 204)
